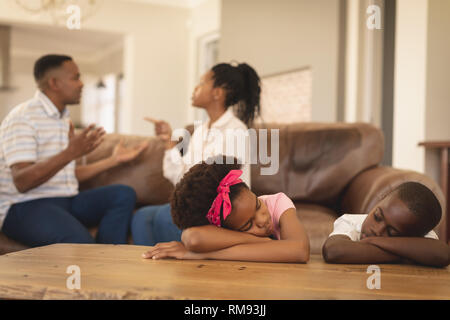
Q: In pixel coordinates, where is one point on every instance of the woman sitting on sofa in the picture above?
(222, 87)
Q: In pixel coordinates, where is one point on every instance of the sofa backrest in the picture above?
(317, 160)
(371, 186)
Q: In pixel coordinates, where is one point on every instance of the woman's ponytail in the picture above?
(251, 94)
(242, 85)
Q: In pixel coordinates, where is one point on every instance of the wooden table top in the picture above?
(119, 272)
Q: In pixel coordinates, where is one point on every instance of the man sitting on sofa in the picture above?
(39, 199)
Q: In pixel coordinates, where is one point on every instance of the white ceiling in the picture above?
(86, 45)
(172, 3)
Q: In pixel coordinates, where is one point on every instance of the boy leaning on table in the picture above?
(398, 229)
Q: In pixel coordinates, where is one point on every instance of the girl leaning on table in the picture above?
(223, 219)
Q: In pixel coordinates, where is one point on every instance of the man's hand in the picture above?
(29, 175)
(122, 154)
(85, 142)
(174, 249)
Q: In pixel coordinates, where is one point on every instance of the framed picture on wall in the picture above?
(286, 96)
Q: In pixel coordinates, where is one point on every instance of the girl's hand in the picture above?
(174, 249)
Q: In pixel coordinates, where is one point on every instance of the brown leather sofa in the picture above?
(326, 169)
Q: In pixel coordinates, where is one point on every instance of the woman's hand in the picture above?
(174, 249)
(162, 128)
(163, 131)
(122, 154)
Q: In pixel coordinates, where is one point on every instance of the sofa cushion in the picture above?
(318, 222)
(144, 173)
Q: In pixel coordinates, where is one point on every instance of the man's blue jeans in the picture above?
(153, 224)
(65, 220)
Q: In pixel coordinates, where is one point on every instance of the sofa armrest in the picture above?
(371, 185)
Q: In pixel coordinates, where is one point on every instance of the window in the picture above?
(99, 102)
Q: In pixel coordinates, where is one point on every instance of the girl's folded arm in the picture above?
(271, 251)
(292, 229)
(211, 238)
(223, 244)
(293, 245)
(268, 251)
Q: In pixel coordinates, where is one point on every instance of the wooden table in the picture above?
(443, 147)
(119, 272)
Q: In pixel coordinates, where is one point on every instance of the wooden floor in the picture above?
(118, 272)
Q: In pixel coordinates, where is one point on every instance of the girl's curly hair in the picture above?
(196, 191)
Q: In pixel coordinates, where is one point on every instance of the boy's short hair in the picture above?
(48, 62)
(422, 202)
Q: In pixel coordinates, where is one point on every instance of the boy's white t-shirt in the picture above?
(350, 226)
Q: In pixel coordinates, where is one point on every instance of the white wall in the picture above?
(422, 95)
(156, 42)
(364, 63)
(204, 20)
(438, 71)
(24, 86)
(351, 62)
(282, 35)
(438, 93)
(410, 84)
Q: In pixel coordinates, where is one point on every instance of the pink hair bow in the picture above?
(223, 196)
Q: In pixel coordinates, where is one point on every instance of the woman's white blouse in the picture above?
(227, 136)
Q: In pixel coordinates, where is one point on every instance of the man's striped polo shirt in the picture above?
(33, 132)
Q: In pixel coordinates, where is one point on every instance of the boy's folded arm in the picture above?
(421, 250)
(211, 238)
(341, 249)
